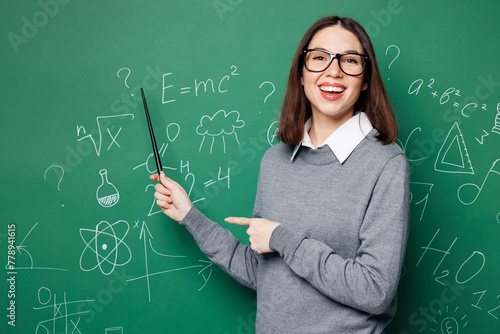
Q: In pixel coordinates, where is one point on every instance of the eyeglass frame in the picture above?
(337, 56)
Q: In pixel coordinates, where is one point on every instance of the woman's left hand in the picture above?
(259, 230)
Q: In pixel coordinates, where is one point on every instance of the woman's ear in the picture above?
(365, 86)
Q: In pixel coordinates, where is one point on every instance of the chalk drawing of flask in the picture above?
(107, 194)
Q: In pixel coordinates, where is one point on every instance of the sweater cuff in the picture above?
(285, 240)
(191, 218)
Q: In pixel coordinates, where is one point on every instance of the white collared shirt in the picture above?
(343, 140)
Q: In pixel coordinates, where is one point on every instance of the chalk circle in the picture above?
(498, 218)
(44, 292)
(173, 136)
(104, 246)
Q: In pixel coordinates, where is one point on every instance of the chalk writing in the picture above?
(172, 130)
(126, 78)
(200, 86)
(272, 133)
(272, 91)
(190, 178)
(58, 175)
(97, 146)
(423, 200)
(398, 52)
(405, 146)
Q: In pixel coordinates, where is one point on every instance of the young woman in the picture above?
(331, 216)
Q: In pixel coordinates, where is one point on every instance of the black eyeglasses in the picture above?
(318, 60)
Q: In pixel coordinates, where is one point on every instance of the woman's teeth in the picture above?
(331, 89)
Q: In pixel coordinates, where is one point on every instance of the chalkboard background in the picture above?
(93, 255)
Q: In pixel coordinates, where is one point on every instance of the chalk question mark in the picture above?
(270, 83)
(397, 55)
(57, 174)
(118, 74)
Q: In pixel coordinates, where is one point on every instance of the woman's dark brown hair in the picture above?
(373, 101)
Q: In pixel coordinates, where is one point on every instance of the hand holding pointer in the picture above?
(171, 197)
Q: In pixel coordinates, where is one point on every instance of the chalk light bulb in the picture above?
(449, 326)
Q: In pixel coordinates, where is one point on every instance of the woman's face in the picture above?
(327, 103)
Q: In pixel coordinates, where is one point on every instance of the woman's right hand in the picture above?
(171, 197)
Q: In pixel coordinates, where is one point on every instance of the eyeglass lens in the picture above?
(318, 61)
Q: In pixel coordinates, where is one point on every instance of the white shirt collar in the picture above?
(343, 140)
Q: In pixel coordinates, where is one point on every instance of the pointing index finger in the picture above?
(238, 221)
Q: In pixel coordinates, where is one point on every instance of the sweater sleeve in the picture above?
(222, 247)
(369, 281)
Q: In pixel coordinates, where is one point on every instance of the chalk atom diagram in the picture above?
(104, 247)
(221, 124)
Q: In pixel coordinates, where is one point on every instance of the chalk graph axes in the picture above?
(146, 234)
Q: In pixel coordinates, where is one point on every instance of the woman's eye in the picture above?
(319, 58)
(351, 60)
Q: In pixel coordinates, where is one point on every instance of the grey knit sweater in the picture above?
(340, 247)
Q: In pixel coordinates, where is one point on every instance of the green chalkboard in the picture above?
(89, 251)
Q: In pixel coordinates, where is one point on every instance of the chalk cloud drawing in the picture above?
(104, 247)
(107, 194)
(221, 124)
(453, 156)
(469, 192)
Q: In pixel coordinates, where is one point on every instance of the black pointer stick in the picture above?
(151, 133)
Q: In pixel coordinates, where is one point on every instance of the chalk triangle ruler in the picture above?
(453, 156)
